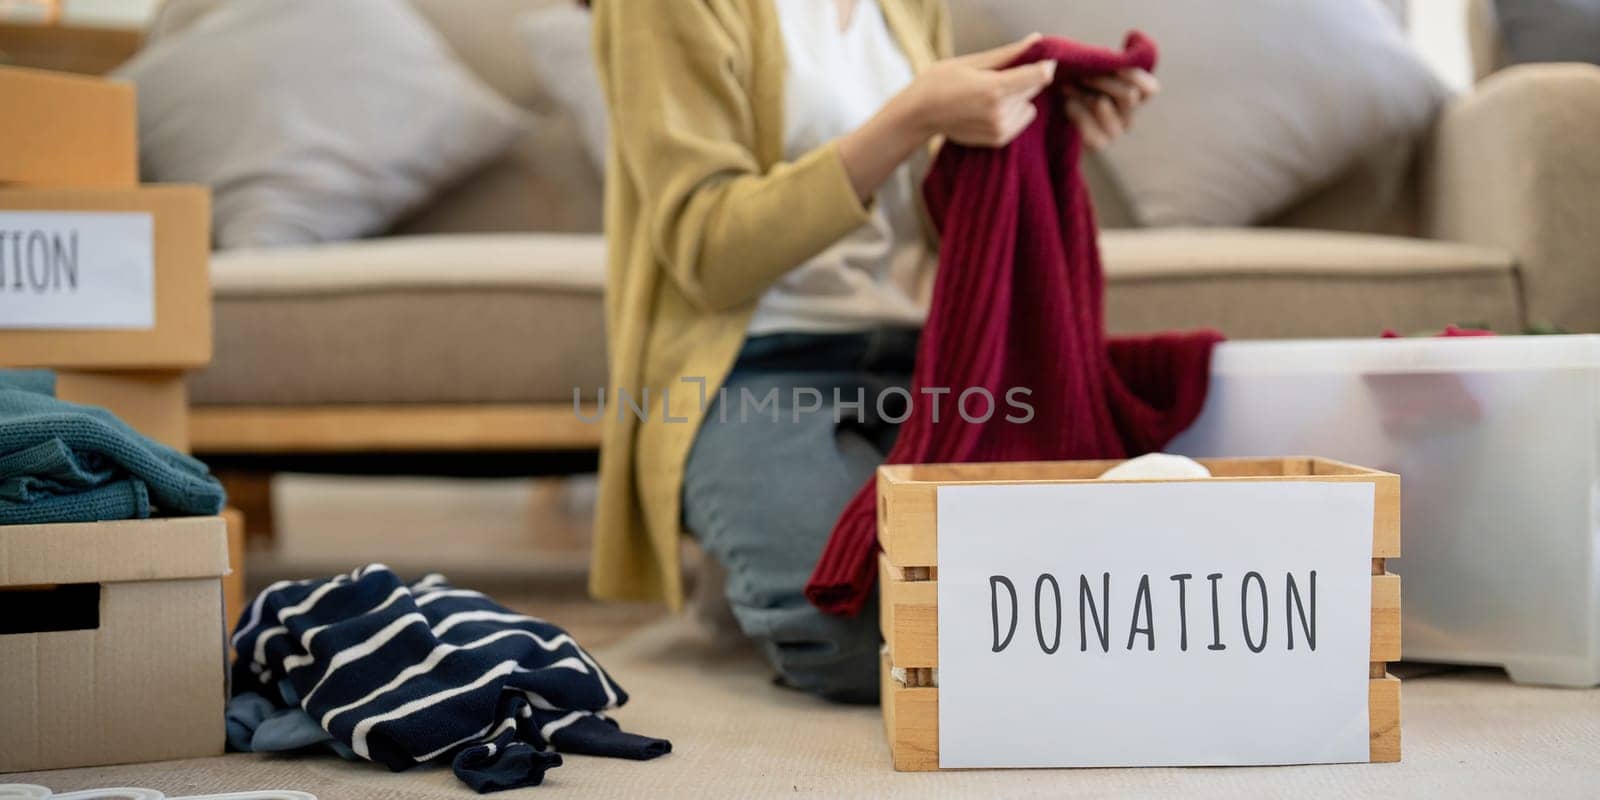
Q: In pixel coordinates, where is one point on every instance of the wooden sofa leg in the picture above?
(251, 493)
(233, 585)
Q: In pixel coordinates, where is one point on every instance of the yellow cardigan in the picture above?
(702, 215)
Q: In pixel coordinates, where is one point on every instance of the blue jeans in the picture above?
(765, 483)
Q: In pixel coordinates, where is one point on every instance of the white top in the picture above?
(882, 272)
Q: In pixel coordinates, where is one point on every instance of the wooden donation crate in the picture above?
(908, 523)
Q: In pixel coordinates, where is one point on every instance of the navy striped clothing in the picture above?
(405, 674)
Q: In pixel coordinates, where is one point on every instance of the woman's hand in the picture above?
(1103, 108)
(975, 100)
(971, 100)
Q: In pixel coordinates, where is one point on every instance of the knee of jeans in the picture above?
(851, 678)
(839, 661)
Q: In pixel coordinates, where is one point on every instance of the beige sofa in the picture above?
(467, 328)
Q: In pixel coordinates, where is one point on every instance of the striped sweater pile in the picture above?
(403, 674)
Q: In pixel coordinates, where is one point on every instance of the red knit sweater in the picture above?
(1019, 302)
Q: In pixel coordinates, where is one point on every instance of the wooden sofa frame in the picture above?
(248, 444)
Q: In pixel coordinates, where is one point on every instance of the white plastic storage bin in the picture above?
(1497, 442)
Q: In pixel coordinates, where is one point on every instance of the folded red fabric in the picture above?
(1018, 304)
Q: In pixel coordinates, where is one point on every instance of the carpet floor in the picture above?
(1467, 733)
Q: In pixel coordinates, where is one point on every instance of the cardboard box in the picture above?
(180, 241)
(65, 47)
(67, 130)
(155, 404)
(111, 642)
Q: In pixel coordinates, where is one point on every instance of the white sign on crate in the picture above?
(1154, 624)
(77, 269)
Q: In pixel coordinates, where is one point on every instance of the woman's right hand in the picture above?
(973, 100)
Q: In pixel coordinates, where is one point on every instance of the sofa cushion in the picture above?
(558, 42)
(499, 318)
(483, 34)
(302, 136)
(1256, 283)
(519, 318)
(479, 32)
(543, 182)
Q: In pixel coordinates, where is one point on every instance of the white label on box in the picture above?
(77, 269)
(1154, 624)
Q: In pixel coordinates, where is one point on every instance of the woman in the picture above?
(769, 269)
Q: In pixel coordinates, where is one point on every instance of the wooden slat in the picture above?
(907, 520)
(250, 492)
(396, 428)
(1057, 471)
(911, 721)
(1385, 515)
(909, 617)
(908, 494)
(233, 584)
(1383, 719)
(1385, 618)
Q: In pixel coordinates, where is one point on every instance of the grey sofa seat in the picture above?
(517, 318)
(1273, 283)
(437, 319)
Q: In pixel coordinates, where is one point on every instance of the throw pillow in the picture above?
(1550, 30)
(558, 43)
(1262, 102)
(312, 120)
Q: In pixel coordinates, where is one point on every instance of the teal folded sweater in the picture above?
(65, 462)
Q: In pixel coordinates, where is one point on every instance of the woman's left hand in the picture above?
(1103, 107)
